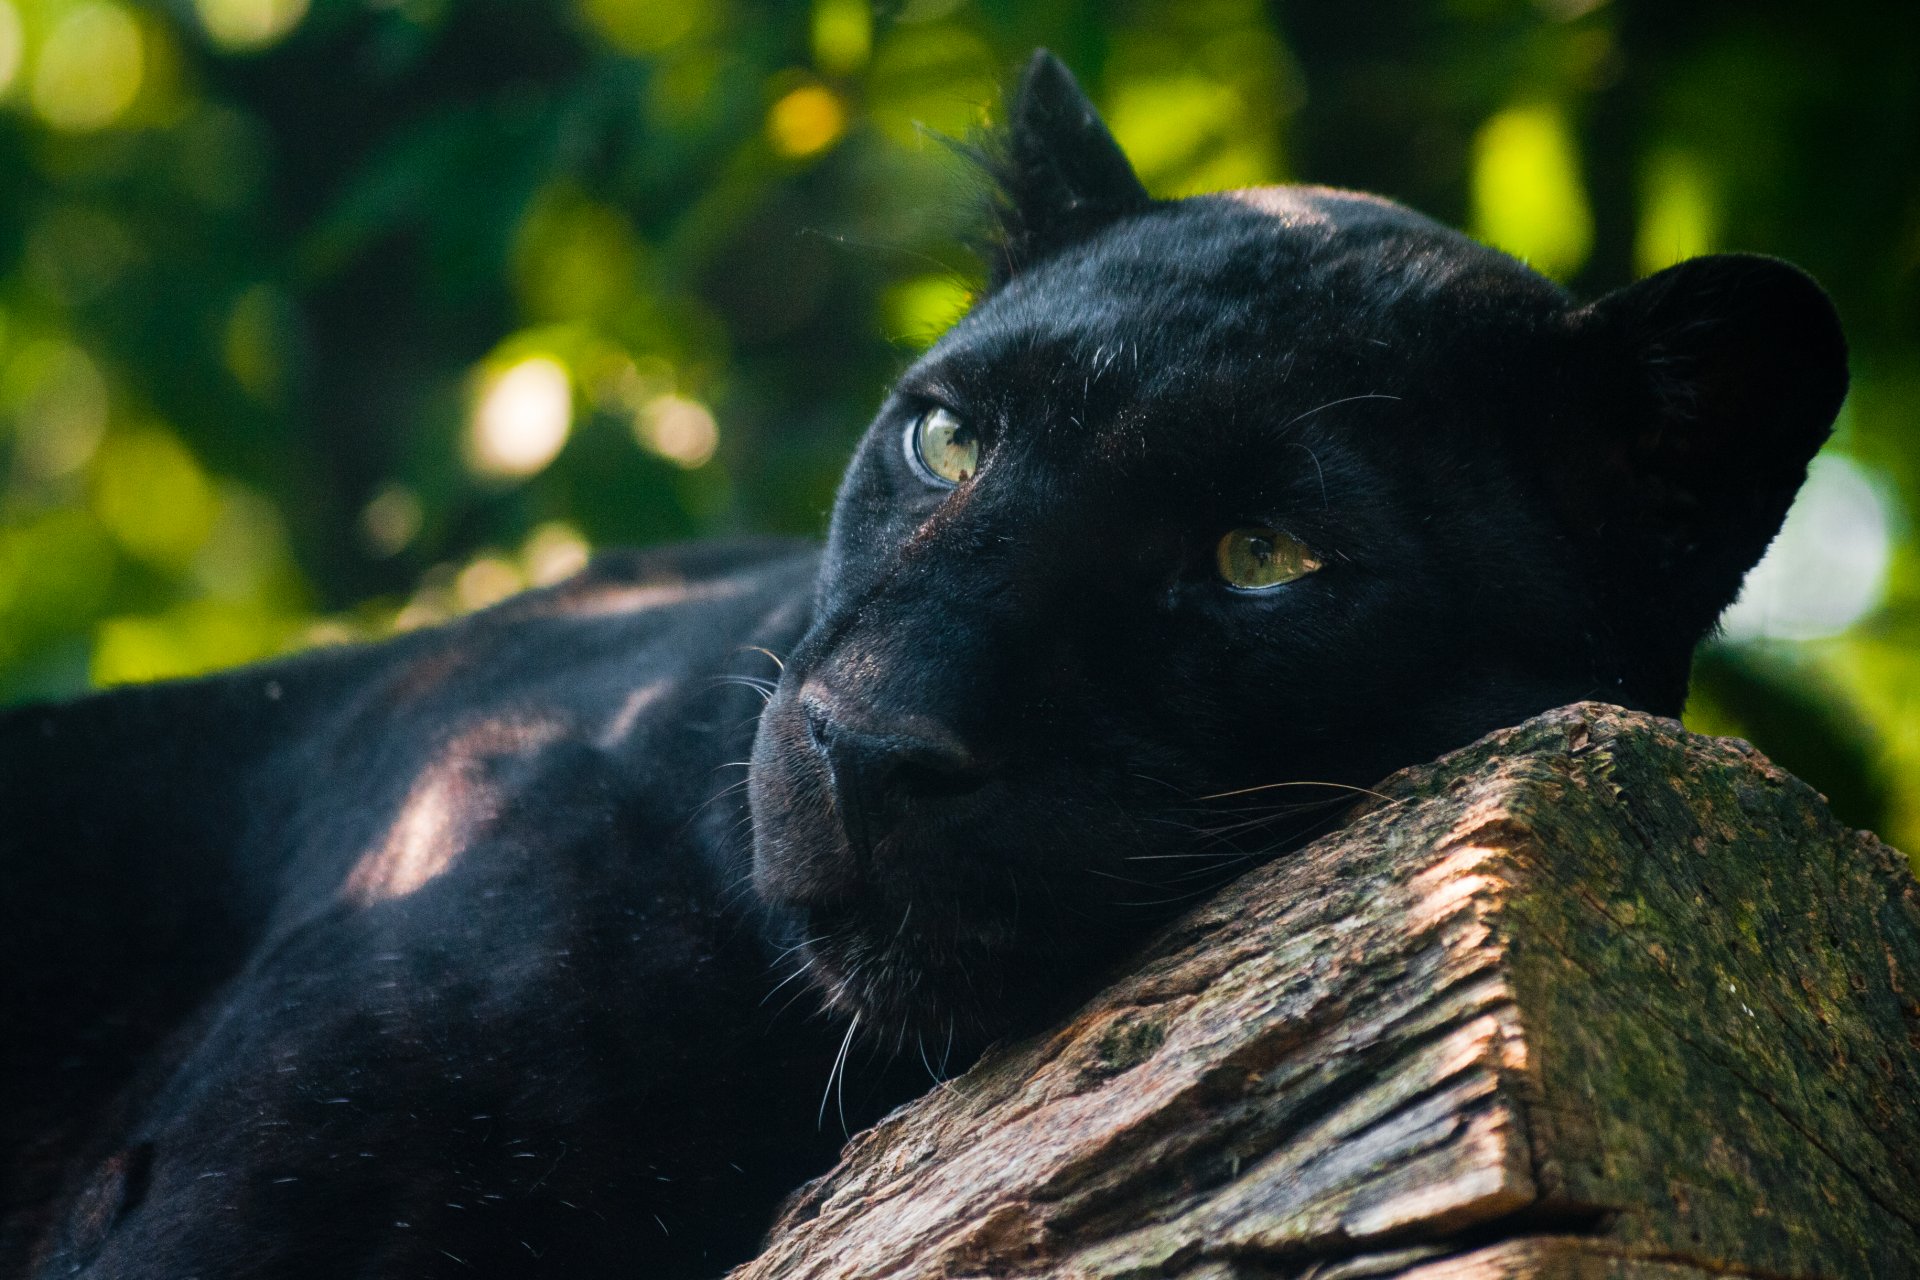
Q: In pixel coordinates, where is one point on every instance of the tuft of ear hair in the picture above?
(1726, 372)
(1061, 175)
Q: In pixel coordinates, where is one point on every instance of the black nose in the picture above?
(880, 765)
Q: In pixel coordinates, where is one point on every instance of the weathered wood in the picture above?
(1590, 998)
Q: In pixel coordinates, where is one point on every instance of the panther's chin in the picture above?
(949, 994)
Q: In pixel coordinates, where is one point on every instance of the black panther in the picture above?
(463, 953)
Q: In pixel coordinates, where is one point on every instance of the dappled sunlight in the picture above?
(154, 495)
(606, 600)
(805, 120)
(919, 310)
(1828, 568)
(392, 519)
(89, 67)
(13, 43)
(1528, 198)
(1680, 217)
(620, 725)
(842, 35)
(555, 551)
(246, 25)
(58, 401)
(521, 417)
(449, 802)
(648, 26)
(1283, 203)
(678, 429)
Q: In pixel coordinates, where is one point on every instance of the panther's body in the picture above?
(374, 960)
(460, 953)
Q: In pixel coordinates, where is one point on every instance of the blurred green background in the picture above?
(320, 318)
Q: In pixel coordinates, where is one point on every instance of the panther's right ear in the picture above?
(1061, 174)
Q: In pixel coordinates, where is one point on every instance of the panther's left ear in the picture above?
(1719, 380)
(1061, 174)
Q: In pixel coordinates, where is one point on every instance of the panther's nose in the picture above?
(882, 764)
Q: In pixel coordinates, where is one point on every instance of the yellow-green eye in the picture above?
(1256, 559)
(945, 449)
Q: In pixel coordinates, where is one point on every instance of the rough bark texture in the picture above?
(1590, 998)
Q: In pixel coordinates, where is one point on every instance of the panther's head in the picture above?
(1209, 512)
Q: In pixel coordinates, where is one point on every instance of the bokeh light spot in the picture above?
(806, 120)
(392, 519)
(1188, 133)
(12, 45)
(488, 580)
(842, 35)
(1527, 194)
(644, 26)
(678, 429)
(186, 640)
(918, 311)
(254, 343)
(1828, 567)
(931, 78)
(520, 418)
(554, 551)
(58, 402)
(151, 493)
(89, 68)
(1679, 218)
(245, 25)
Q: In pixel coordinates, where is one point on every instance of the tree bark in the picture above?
(1592, 997)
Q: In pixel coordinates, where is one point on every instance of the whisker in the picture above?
(1270, 786)
(1334, 404)
(838, 1073)
(754, 648)
(803, 969)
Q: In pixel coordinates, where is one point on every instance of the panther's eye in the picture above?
(1259, 559)
(942, 448)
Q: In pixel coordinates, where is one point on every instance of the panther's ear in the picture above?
(1720, 379)
(1061, 174)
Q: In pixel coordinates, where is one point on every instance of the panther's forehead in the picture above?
(1328, 208)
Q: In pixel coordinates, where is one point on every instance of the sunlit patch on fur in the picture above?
(621, 724)
(1284, 203)
(1297, 206)
(603, 600)
(449, 801)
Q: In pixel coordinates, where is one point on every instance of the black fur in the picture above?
(459, 954)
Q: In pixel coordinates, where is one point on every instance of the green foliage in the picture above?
(324, 317)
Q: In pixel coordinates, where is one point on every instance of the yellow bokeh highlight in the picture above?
(1527, 195)
(574, 258)
(553, 551)
(251, 346)
(645, 26)
(842, 35)
(186, 640)
(486, 581)
(13, 45)
(58, 402)
(678, 429)
(936, 77)
(806, 120)
(153, 496)
(521, 417)
(1679, 216)
(245, 25)
(1189, 133)
(55, 570)
(918, 311)
(391, 519)
(89, 67)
